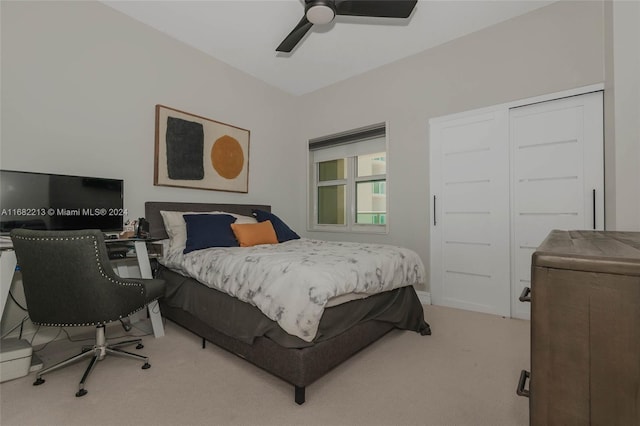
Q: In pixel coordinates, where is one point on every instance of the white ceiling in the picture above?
(245, 34)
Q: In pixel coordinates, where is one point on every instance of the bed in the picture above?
(300, 355)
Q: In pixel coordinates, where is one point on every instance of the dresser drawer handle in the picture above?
(524, 375)
(524, 296)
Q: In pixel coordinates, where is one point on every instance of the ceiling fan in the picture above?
(320, 12)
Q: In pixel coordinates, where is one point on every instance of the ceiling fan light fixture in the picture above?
(320, 14)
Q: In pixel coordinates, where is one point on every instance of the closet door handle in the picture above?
(524, 375)
(524, 296)
(594, 208)
(434, 210)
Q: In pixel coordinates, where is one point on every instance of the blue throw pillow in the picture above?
(209, 230)
(283, 232)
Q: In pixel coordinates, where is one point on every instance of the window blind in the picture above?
(365, 140)
(362, 134)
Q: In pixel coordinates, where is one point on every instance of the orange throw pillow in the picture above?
(252, 234)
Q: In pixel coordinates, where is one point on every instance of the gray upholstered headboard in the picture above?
(156, 225)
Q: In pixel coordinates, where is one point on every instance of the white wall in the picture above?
(622, 147)
(554, 48)
(80, 82)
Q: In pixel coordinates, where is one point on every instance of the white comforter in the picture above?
(292, 282)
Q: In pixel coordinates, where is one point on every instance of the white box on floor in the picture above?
(15, 359)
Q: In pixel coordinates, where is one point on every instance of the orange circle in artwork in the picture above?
(227, 157)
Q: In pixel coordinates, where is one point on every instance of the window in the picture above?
(348, 181)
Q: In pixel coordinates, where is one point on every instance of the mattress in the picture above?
(242, 321)
(293, 282)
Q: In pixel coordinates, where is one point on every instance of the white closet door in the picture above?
(557, 177)
(469, 159)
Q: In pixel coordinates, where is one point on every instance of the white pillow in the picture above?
(176, 227)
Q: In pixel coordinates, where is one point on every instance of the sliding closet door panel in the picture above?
(467, 227)
(557, 163)
(554, 197)
(470, 203)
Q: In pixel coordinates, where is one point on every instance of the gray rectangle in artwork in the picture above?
(185, 146)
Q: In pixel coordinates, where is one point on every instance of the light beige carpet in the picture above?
(464, 374)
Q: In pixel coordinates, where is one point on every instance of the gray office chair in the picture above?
(68, 282)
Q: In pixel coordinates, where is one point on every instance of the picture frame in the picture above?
(197, 152)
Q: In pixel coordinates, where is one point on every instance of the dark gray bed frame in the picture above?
(300, 367)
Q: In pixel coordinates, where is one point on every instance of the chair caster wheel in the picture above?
(146, 365)
(81, 392)
(139, 346)
(38, 381)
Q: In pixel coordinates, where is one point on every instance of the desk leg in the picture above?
(145, 272)
(7, 268)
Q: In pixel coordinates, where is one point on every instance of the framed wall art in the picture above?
(197, 152)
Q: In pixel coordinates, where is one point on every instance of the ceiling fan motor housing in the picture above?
(320, 12)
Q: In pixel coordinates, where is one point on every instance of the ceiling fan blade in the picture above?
(376, 8)
(295, 36)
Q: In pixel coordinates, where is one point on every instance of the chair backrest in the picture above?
(68, 279)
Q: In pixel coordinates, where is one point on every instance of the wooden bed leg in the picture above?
(204, 343)
(300, 395)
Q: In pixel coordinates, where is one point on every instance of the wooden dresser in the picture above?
(585, 330)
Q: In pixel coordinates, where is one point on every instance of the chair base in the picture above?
(97, 353)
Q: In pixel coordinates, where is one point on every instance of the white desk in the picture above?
(7, 268)
(14, 351)
(142, 255)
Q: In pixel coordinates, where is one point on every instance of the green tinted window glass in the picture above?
(332, 205)
(332, 170)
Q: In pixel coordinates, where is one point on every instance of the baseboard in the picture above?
(424, 296)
